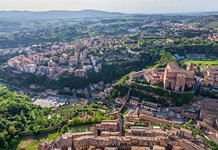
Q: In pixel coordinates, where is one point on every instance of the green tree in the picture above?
(64, 129)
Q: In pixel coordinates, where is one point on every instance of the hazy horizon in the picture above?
(124, 6)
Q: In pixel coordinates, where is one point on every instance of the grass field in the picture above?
(203, 63)
(214, 24)
(32, 144)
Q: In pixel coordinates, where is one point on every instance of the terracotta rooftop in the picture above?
(111, 148)
(121, 138)
(173, 66)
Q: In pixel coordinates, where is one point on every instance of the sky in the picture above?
(126, 6)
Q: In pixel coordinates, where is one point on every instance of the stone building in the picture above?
(113, 127)
(209, 108)
(135, 138)
(126, 142)
(154, 76)
(210, 76)
(145, 132)
(177, 79)
(172, 77)
(63, 142)
(189, 114)
(213, 37)
(185, 133)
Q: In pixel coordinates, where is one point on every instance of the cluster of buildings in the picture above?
(205, 117)
(87, 141)
(152, 112)
(109, 136)
(111, 48)
(202, 109)
(77, 58)
(209, 110)
(168, 28)
(179, 30)
(210, 76)
(213, 37)
(172, 77)
(56, 60)
(14, 51)
(100, 42)
(101, 135)
(109, 133)
(182, 26)
(97, 91)
(147, 113)
(177, 79)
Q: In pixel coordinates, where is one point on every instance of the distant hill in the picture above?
(200, 13)
(65, 14)
(57, 14)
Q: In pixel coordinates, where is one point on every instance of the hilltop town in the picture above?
(116, 82)
(149, 125)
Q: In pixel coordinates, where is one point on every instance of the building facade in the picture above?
(172, 77)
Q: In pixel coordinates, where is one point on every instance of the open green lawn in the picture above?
(32, 144)
(214, 24)
(28, 145)
(203, 63)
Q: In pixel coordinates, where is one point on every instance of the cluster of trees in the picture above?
(121, 86)
(64, 33)
(148, 58)
(193, 33)
(165, 57)
(72, 111)
(212, 145)
(208, 93)
(97, 118)
(183, 46)
(17, 115)
(151, 93)
(188, 46)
